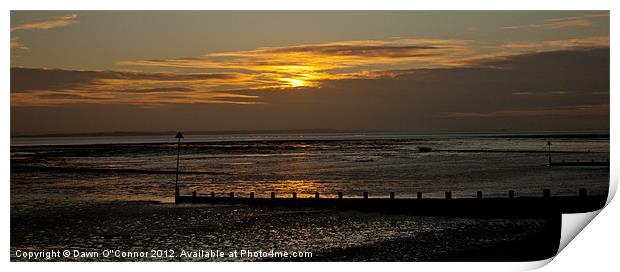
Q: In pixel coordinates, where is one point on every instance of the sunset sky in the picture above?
(448, 71)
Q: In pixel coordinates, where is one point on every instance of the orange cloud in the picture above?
(569, 88)
(521, 45)
(301, 67)
(16, 44)
(598, 41)
(308, 65)
(305, 65)
(54, 87)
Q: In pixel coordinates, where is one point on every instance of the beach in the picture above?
(328, 235)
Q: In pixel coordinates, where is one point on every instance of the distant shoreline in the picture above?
(163, 133)
(593, 133)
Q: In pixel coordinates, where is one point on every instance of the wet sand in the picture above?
(329, 235)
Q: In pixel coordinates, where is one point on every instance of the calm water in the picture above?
(58, 171)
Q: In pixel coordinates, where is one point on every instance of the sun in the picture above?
(294, 82)
(299, 76)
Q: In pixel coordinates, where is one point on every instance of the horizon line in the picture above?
(285, 131)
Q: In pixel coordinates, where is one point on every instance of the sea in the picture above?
(47, 170)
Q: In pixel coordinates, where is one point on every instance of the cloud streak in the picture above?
(56, 22)
(519, 48)
(576, 110)
(16, 43)
(56, 86)
(559, 23)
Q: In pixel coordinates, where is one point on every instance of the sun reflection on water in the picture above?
(302, 187)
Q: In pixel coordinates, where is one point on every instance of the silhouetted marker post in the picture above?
(176, 181)
(549, 152)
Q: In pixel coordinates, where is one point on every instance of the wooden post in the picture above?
(232, 195)
(179, 137)
(316, 195)
(194, 195)
(251, 195)
(176, 192)
(294, 195)
(546, 193)
(511, 194)
(479, 194)
(448, 195)
(212, 195)
(273, 195)
(365, 195)
(392, 195)
(339, 195)
(549, 144)
(583, 192)
(419, 195)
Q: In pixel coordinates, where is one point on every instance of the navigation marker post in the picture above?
(549, 153)
(176, 181)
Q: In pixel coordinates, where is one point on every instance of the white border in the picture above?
(573, 257)
(313, 5)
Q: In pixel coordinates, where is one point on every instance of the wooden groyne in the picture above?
(581, 163)
(511, 205)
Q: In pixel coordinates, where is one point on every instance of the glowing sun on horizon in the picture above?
(294, 82)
